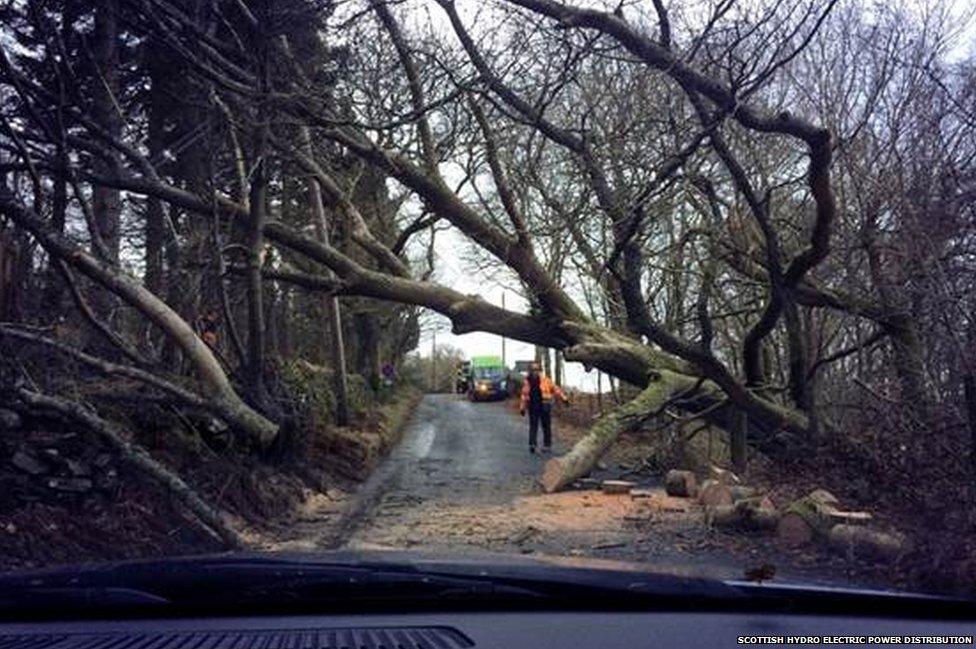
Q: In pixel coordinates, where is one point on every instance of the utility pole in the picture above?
(599, 391)
(503, 337)
(331, 303)
(433, 361)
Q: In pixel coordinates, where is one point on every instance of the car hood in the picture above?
(318, 581)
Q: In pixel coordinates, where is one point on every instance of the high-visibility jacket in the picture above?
(546, 387)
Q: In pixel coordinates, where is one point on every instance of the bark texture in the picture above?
(215, 385)
(140, 459)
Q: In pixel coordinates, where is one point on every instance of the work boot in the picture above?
(531, 449)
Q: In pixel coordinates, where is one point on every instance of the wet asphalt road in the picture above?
(454, 448)
(453, 451)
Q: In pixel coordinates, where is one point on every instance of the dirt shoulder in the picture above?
(67, 498)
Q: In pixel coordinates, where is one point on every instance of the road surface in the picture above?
(454, 453)
(462, 481)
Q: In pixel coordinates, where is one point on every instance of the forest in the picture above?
(757, 214)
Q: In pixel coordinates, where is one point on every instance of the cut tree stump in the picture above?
(680, 483)
(713, 493)
(617, 486)
(866, 543)
(793, 531)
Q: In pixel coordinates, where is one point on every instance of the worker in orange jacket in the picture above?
(538, 391)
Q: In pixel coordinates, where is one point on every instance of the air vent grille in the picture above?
(436, 637)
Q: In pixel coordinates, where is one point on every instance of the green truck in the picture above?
(489, 379)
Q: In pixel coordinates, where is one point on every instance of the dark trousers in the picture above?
(541, 413)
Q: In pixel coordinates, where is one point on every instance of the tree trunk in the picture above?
(330, 303)
(54, 288)
(561, 471)
(258, 202)
(910, 367)
(8, 277)
(285, 343)
(368, 346)
(141, 460)
(106, 201)
(155, 228)
(214, 382)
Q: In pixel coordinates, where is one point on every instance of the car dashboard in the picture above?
(463, 629)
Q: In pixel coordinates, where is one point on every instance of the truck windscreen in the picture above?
(488, 373)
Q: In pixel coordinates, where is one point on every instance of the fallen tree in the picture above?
(864, 542)
(639, 350)
(215, 386)
(664, 386)
(139, 458)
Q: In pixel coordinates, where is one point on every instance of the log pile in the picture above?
(816, 518)
(727, 502)
(75, 476)
(56, 465)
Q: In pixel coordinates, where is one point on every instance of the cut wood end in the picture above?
(553, 476)
(681, 484)
(713, 493)
(792, 531)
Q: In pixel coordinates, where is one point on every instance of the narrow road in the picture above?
(462, 481)
(454, 453)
